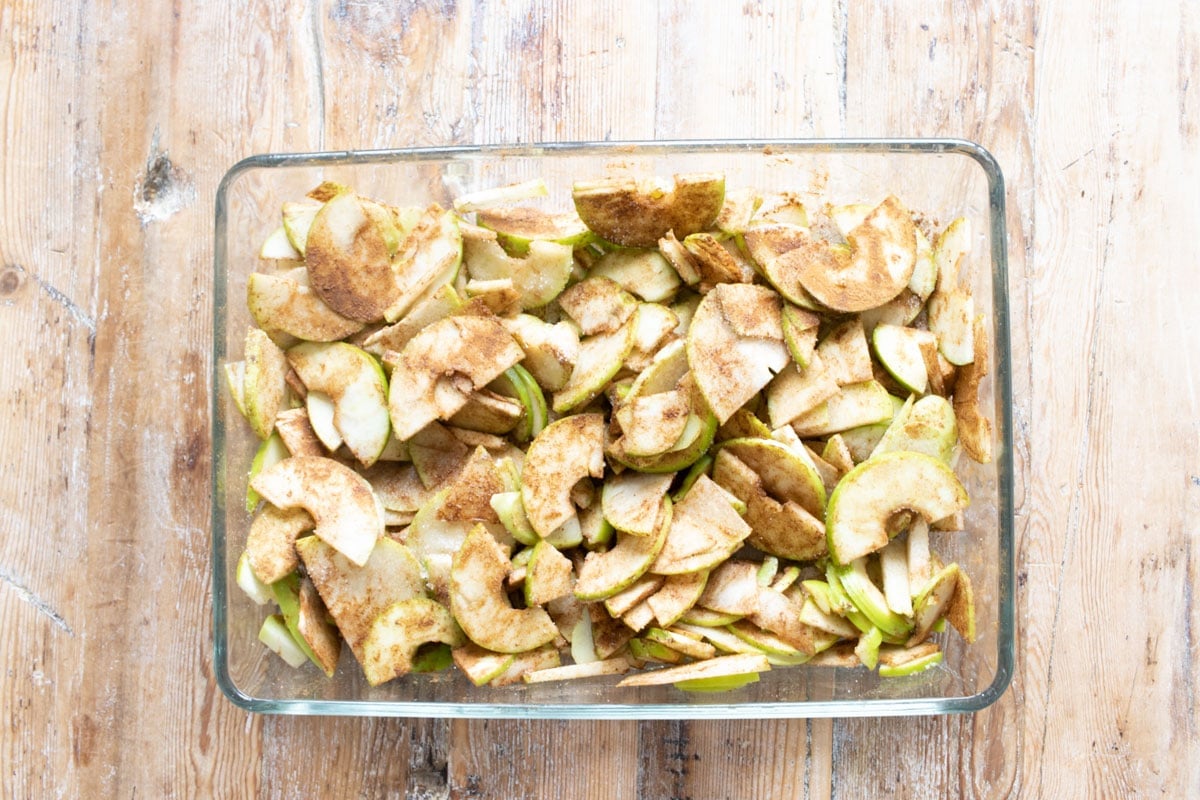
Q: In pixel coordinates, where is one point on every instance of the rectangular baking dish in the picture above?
(940, 178)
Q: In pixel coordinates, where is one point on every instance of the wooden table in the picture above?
(117, 120)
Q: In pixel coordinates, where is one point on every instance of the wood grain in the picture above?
(117, 121)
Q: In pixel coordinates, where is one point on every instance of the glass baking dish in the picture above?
(940, 178)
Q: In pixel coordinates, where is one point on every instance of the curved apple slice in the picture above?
(600, 358)
(567, 450)
(357, 594)
(297, 218)
(348, 515)
(271, 543)
(927, 426)
(705, 530)
(443, 366)
(480, 605)
(432, 255)
(285, 302)
(538, 276)
(639, 213)
(785, 474)
(856, 521)
(518, 227)
(604, 574)
(784, 529)
(728, 366)
(645, 273)
(598, 305)
(356, 384)
(550, 350)
(632, 501)
(349, 257)
(263, 384)
(395, 635)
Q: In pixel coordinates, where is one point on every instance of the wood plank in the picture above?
(47, 326)
(542, 758)
(1110, 680)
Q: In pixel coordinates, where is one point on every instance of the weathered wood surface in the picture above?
(118, 119)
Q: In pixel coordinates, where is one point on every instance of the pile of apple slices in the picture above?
(710, 433)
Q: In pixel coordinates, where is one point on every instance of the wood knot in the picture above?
(10, 280)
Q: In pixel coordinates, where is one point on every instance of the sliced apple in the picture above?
(488, 412)
(961, 611)
(853, 406)
(677, 596)
(719, 667)
(869, 600)
(600, 358)
(297, 434)
(357, 595)
(314, 626)
(974, 429)
(548, 575)
(285, 303)
(795, 392)
(517, 227)
(443, 365)
(437, 454)
(264, 388)
(653, 424)
(949, 249)
(785, 473)
(677, 255)
(480, 605)
(538, 276)
(705, 530)
(845, 354)
(730, 367)
(872, 493)
(715, 263)
(637, 213)
(604, 574)
(632, 502)
(632, 595)
(394, 636)
(297, 220)
(348, 253)
(598, 305)
(566, 451)
(732, 588)
(271, 543)
(438, 303)
(928, 426)
(479, 665)
(644, 273)
(777, 247)
(799, 333)
(550, 350)
(431, 257)
(277, 247)
(348, 515)
(355, 383)
(899, 351)
(951, 313)
(279, 640)
(932, 603)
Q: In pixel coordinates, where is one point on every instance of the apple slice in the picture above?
(480, 605)
(314, 627)
(785, 473)
(604, 574)
(348, 253)
(777, 247)
(538, 276)
(636, 213)
(904, 662)
(853, 406)
(600, 358)
(598, 305)
(893, 568)
(677, 596)
(899, 351)
(270, 452)
(632, 502)
(264, 388)
(348, 515)
(732, 588)
(705, 531)
(715, 263)
(355, 383)
(519, 226)
(550, 350)
(799, 333)
(271, 543)
(278, 639)
(297, 220)
(488, 412)
(285, 303)
(961, 611)
(680, 258)
(868, 599)
(548, 575)
(932, 603)
(951, 313)
(645, 273)
(543, 658)
(439, 302)
(795, 392)
(719, 667)
(394, 636)
(249, 583)
(595, 669)
(873, 492)
(728, 366)
(357, 595)
(479, 665)
(653, 424)
(431, 258)
(928, 426)
(277, 247)
(566, 451)
(632, 595)
(974, 429)
(443, 365)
